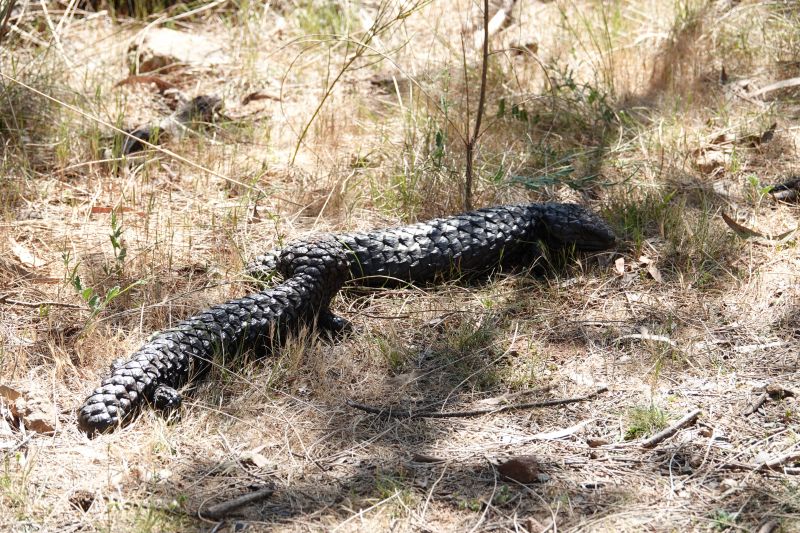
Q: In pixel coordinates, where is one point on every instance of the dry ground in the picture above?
(648, 111)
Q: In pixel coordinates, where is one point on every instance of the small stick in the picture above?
(422, 458)
(391, 412)
(787, 470)
(9, 301)
(220, 510)
(781, 460)
(756, 405)
(653, 441)
(768, 526)
(783, 84)
(162, 85)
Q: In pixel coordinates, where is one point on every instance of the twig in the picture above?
(393, 412)
(9, 7)
(760, 467)
(500, 19)
(9, 301)
(484, 71)
(470, 147)
(769, 526)
(19, 445)
(56, 38)
(362, 47)
(752, 348)
(773, 464)
(422, 458)
(653, 441)
(220, 510)
(784, 84)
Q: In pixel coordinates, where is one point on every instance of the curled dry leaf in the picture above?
(619, 265)
(652, 269)
(25, 256)
(423, 458)
(9, 393)
(34, 411)
(561, 433)
(161, 84)
(254, 458)
(747, 233)
(742, 231)
(710, 161)
(259, 95)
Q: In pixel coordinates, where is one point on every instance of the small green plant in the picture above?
(96, 302)
(14, 481)
(321, 18)
(391, 486)
(586, 102)
(517, 112)
(757, 192)
(470, 504)
(469, 350)
(723, 520)
(654, 213)
(502, 496)
(438, 153)
(469, 338)
(179, 502)
(393, 352)
(120, 250)
(150, 517)
(645, 421)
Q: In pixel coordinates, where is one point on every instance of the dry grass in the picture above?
(612, 106)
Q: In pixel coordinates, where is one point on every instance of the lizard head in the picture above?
(573, 225)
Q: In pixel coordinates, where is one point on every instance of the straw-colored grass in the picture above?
(364, 112)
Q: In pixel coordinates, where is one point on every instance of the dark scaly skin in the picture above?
(472, 242)
(314, 271)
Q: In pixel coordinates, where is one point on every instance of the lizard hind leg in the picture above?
(334, 325)
(166, 399)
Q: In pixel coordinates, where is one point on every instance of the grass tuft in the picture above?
(645, 421)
